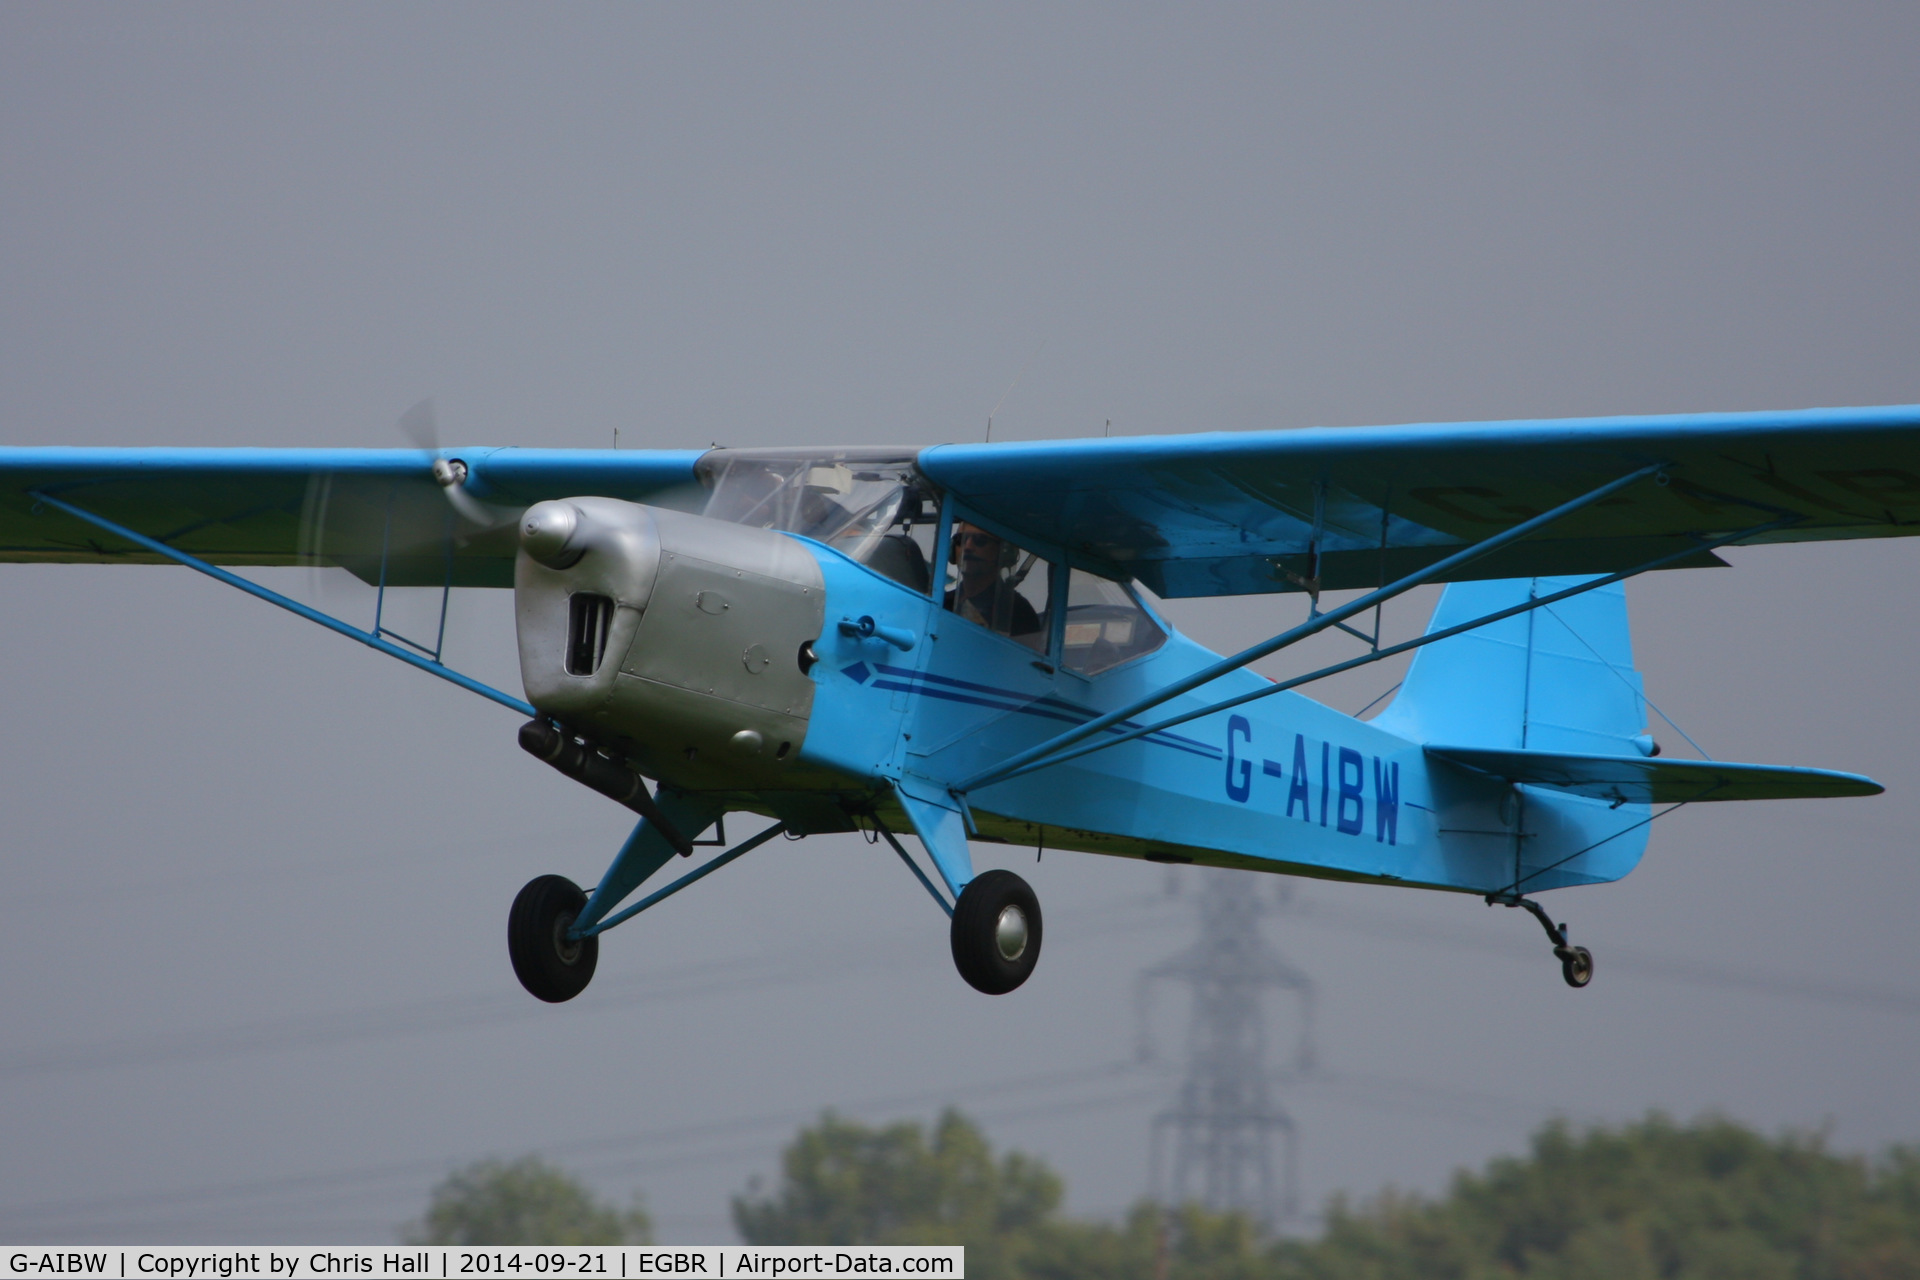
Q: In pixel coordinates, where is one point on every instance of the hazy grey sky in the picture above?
(254, 880)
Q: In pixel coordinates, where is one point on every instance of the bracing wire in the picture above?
(1640, 693)
(1377, 701)
(1535, 874)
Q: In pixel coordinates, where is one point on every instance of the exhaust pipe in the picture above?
(607, 776)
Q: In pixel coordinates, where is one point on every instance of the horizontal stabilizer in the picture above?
(1650, 780)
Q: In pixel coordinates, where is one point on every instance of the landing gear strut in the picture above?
(996, 932)
(1576, 963)
(548, 963)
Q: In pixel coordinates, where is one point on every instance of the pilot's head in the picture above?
(979, 554)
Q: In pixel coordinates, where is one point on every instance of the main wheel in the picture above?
(1577, 968)
(550, 965)
(996, 932)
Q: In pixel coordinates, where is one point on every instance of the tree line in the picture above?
(1707, 1200)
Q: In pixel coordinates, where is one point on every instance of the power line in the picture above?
(442, 1014)
(476, 1009)
(1665, 967)
(307, 1188)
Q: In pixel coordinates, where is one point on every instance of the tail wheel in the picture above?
(551, 966)
(1577, 967)
(996, 932)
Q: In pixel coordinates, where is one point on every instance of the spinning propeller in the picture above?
(421, 426)
(394, 530)
(397, 532)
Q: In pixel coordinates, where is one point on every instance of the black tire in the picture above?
(981, 945)
(1577, 968)
(548, 965)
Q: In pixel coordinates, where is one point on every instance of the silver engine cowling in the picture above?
(671, 639)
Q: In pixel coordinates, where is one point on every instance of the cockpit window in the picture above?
(1003, 587)
(866, 503)
(1105, 625)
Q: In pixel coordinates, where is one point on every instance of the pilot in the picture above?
(983, 594)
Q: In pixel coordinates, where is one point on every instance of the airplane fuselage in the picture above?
(766, 671)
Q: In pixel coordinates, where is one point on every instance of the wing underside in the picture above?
(376, 512)
(1277, 511)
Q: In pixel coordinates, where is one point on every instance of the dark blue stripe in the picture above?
(1009, 700)
(1085, 713)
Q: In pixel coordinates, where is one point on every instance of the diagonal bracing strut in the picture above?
(700, 872)
(1140, 731)
(1312, 626)
(372, 640)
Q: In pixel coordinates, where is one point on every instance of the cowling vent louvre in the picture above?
(589, 620)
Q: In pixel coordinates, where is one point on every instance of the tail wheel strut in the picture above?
(1576, 963)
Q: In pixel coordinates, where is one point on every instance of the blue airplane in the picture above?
(961, 643)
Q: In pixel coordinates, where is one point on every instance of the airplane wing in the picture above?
(1205, 514)
(1644, 780)
(241, 507)
(1234, 513)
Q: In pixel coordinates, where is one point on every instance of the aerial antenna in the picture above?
(1010, 386)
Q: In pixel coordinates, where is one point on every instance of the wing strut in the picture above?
(1014, 768)
(1312, 626)
(372, 639)
(1131, 732)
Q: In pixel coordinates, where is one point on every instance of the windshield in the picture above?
(862, 502)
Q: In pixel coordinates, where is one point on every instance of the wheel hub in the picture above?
(1010, 933)
(567, 949)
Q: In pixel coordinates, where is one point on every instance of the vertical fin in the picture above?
(1553, 679)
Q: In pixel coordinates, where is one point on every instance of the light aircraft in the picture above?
(954, 642)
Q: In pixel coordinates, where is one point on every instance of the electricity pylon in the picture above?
(1226, 1118)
